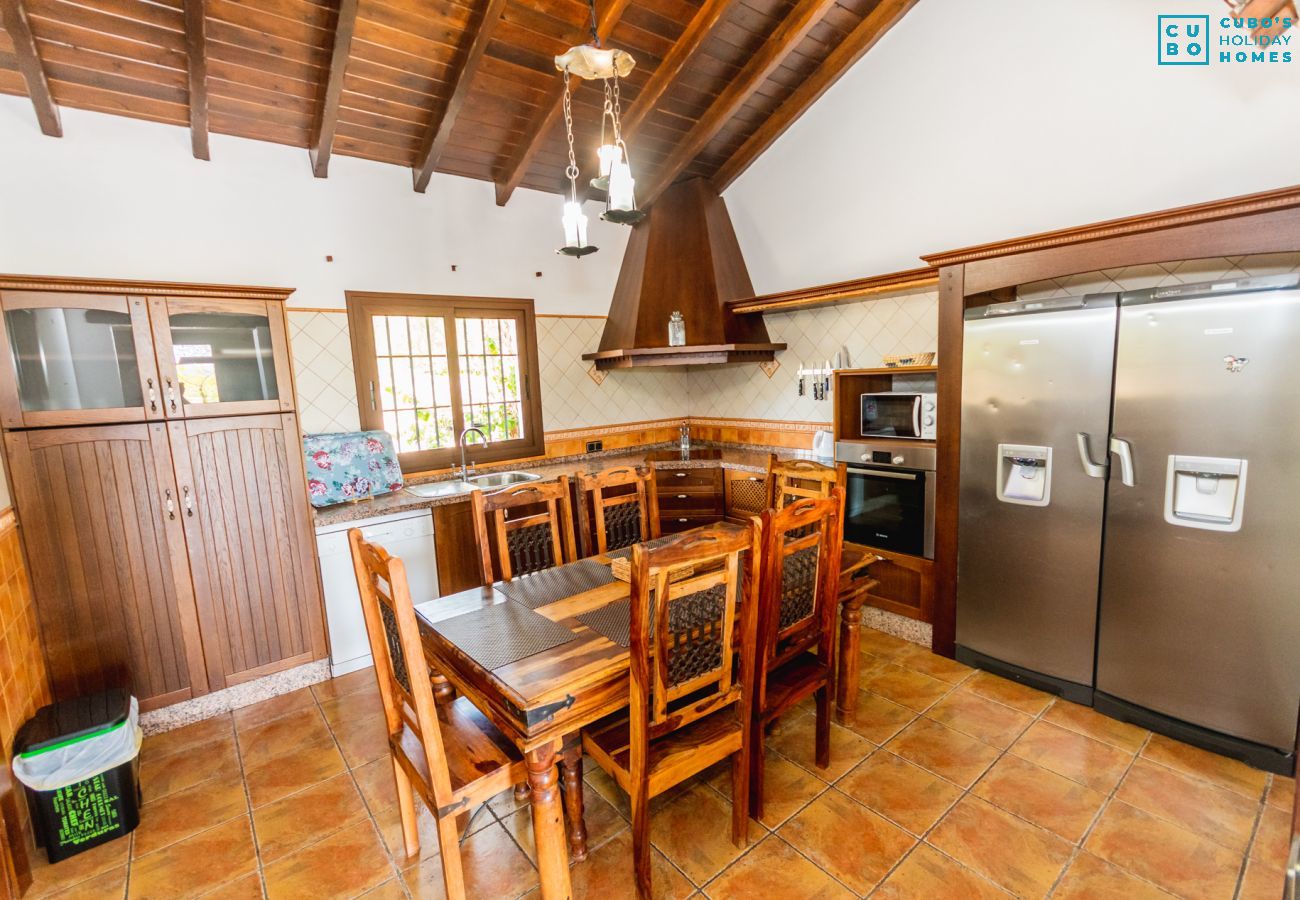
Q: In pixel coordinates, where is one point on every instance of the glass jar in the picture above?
(676, 330)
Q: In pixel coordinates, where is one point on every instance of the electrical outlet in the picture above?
(595, 446)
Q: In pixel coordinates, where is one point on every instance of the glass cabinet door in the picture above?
(221, 357)
(76, 358)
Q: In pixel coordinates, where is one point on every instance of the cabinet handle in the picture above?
(189, 503)
(681, 474)
(171, 507)
(683, 520)
(171, 395)
(681, 496)
(153, 396)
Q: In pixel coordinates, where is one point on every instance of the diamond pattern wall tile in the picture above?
(322, 364)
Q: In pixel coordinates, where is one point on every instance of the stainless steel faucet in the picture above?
(460, 442)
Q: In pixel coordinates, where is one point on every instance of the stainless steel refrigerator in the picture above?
(1130, 506)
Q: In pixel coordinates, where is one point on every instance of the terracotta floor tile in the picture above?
(76, 870)
(504, 803)
(849, 841)
(392, 889)
(950, 754)
(1273, 842)
(881, 644)
(796, 740)
(1228, 773)
(899, 791)
(905, 687)
(602, 820)
(972, 714)
(927, 873)
(1199, 806)
(362, 741)
(694, 832)
(927, 662)
(1089, 722)
(360, 706)
(110, 885)
(1172, 857)
(196, 865)
(360, 680)
(878, 719)
(775, 871)
(184, 813)
(259, 713)
(389, 822)
(1020, 857)
(262, 743)
(187, 737)
(163, 775)
(1097, 765)
(493, 865)
(1262, 882)
(1064, 807)
(305, 817)
(1281, 792)
(787, 788)
(607, 874)
(1008, 693)
(345, 864)
(1090, 878)
(247, 888)
(376, 783)
(293, 771)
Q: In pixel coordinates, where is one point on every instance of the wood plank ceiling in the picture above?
(466, 87)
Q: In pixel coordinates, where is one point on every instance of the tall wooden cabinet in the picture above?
(156, 464)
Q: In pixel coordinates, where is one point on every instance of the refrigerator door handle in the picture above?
(1124, 450)
(1090, 468)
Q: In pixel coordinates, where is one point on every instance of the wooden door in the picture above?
(76, 359)
(243, 500)
(221, 357)
(101, 523)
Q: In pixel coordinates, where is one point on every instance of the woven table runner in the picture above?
(496, 636)
(559, 583)
(626, 552)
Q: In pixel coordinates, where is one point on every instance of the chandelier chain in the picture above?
(572, 171)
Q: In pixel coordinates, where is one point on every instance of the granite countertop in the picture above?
(702, 456)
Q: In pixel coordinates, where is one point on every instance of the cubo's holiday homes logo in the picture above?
(1187, 40)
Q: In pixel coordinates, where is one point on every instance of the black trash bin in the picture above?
(90, 810)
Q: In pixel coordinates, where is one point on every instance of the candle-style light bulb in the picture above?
(608, 154)
(575, 224)
(621, 185)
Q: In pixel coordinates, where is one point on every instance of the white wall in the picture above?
(121, 198)
(978, 121)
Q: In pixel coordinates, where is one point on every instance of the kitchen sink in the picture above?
(502, 479)
(440, 489)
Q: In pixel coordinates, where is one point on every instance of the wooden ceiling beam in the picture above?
(321, 143)
(13, 15)
(436, 140)
(855, 45)
(196, 50)
(794, 28)
(552, 110)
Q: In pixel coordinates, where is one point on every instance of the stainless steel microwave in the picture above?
(899, 414)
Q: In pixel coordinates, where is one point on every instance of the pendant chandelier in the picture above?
(614, 168)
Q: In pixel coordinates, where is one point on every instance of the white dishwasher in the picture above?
(408, 535)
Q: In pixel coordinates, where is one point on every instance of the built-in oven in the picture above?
(889, 496)
(898, 414)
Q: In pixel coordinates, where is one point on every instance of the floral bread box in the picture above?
(350, 465)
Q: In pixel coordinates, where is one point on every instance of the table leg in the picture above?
(846, 679)
(571, 782)
(548, 823)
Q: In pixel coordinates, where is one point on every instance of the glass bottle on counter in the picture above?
(676, 330)
(685, 434)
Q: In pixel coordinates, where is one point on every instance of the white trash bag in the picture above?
(62, 766)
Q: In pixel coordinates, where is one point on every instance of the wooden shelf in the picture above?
(890, 370)
(839, 292)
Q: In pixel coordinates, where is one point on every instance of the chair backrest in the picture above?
(531, 540)
(684, 630)
(611, 521)
(794, 479)
(799, 585)
(400, 667)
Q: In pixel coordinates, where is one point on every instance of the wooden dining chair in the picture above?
(452, 756)
(797, 595)
(617, 508)
(524, 528)
(793, 479)
(691, 664)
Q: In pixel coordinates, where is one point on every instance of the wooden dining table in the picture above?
(541, 656)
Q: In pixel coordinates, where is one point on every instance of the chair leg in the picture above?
(641, 852)
(823, 746)
(406, 807)
(757, 755)
(453, 876)
(740, 798)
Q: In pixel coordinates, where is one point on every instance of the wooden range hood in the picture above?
(684, 257)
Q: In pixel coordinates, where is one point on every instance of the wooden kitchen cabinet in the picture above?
(905, 585)
(102, 526)
(687, 498)
(241, 499)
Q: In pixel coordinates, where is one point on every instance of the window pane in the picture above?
(472, 332)
(491, 337)
(446, 428)
(419, 336)
(399, 343)
(404, 395)
(223, 357)
(441, 381)
(422, 372)
(74, 359)
(381, 335)
(510, 377)
(509, 339)
(408, 438)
